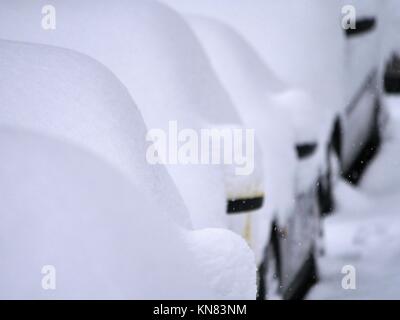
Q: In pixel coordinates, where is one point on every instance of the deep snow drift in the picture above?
(364, 232)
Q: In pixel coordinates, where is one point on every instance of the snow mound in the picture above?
(74, 98)
(215, 249)
(105, 238)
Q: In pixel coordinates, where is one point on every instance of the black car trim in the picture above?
(363, 25)
(392, 76)
(305, 150)
(369, 82)
(303, 281)
(392, 83)
(238, 206)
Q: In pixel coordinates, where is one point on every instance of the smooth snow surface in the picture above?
(227, 261)
(106, 239)
(73, 97)
(364, 232)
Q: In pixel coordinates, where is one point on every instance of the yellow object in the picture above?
(247, 230)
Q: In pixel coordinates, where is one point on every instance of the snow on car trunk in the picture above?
(154, 53)
(75, 227)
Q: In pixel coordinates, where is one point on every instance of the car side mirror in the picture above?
(306, 150)
(363, 25)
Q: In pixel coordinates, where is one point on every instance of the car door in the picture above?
(362, 77)
(302, 226)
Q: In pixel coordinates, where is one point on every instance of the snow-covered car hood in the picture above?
(74, 221)
(154, 53)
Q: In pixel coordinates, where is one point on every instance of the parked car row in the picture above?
(82, 99)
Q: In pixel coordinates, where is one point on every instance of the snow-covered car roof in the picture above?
(72, 221)
(150, 48)
(74, 98)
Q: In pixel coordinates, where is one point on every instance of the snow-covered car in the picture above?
(82, 211)
(357, 128)
(310, 121)
(290, 170)
(154, 53)
(308, 48)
